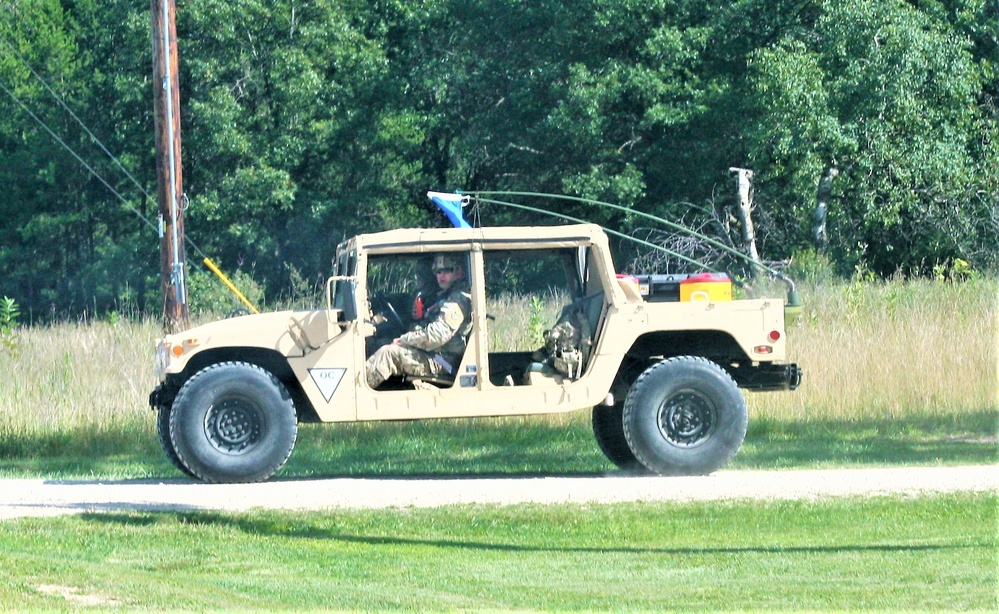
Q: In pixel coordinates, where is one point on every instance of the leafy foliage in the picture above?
(9, 313)
(306, 123)
(862, 90)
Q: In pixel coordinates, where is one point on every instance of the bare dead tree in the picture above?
(744, 214)
(721, 220)
(822, 207)
(709, 221)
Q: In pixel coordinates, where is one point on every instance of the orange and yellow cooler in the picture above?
(706, 287)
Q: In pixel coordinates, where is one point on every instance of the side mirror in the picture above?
(340, 295)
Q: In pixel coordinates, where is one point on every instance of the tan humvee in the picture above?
(661, 374)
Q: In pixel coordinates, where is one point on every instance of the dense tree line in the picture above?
(307, 121)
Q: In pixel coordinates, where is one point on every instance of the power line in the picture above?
(124, 201)
(75, 155)
(75, 117)
(157, 228)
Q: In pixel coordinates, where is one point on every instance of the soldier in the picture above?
(436, 343)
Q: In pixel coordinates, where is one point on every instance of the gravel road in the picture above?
(33, 497)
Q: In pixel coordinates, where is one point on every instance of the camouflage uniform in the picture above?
(434, 346)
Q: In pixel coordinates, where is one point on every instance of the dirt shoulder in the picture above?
(34, 497)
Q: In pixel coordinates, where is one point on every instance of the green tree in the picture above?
(886, 94)
(277, 105)
(69, 242)
(9, 312)
(304, 123)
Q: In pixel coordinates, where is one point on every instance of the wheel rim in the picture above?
(687, 418)
(234, 425)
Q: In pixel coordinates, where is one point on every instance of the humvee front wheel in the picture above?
(684, 416)
(608, 430)
(163, 434)
(233, 422)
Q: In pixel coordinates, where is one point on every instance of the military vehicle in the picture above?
(658, 359)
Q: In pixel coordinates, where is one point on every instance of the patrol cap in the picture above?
(447, 261)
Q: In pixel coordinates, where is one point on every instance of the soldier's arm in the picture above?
(439, 331)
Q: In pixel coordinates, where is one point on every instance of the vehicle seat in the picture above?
(569, 342)
(591, 307)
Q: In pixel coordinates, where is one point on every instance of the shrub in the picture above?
(813, 266)
(9, 313)
(208, 295)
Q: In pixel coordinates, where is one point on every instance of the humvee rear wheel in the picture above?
(233, 422)
(163, 434)
(684, 416)
(608, 430)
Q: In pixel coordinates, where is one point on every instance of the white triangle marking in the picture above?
(327, 380)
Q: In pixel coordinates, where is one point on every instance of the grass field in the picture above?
(932, 553)
(896, 373)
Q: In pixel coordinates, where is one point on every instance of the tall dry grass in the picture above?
(78, 375)
(894, 349)
(870, 350)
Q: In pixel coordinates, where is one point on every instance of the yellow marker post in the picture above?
(214, 269)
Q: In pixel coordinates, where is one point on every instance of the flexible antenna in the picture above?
(607, 230)
(793, 299)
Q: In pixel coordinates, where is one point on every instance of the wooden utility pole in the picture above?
(170, 192)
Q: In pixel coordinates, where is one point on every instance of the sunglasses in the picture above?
(444, 270)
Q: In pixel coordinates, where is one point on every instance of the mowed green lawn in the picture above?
(892, 553)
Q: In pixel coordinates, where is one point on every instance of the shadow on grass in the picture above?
(515, 446)
(277, 526)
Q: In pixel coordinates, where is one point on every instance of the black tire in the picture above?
(608, 429)
(233, 422)
(685, 416)
(163, 434)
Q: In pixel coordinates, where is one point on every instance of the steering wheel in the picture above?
(384, 306)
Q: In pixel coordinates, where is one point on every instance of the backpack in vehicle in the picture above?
(569, 342)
